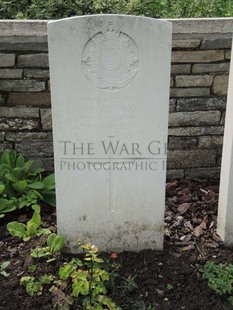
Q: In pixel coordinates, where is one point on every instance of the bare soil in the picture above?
(170, 279)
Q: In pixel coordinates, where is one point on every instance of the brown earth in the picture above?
(170, 279)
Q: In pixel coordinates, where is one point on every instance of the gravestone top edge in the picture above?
(101, 16)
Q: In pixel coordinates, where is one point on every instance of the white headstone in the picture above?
(225, 207)
(110, 78)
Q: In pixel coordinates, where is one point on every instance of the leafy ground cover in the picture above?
(53, 9)
(171, 279)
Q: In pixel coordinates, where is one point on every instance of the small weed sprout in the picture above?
(3, 267)
(220, 278)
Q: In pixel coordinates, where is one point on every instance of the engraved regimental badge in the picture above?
(110, 59)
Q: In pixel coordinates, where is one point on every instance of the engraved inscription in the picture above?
(110, 59)
(116, 109)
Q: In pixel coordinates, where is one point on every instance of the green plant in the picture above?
(53, 9)
(169, 286)
(41, 9)
(123, 290)
(34, 286)
(32, 268)
(22, 184)
(3, 268)
(88, 279)
(55, 243)
(32, 228)
(220, 278)
(121, 287)
(129, 284)
(82, 278)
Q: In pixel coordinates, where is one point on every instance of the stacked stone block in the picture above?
(200, 69)
(25, 115)
(199, 81)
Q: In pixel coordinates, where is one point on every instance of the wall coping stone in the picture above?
(202, 25)
(180, 26)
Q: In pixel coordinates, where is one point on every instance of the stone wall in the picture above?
(199, 80)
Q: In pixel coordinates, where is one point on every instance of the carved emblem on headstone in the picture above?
(110, 59)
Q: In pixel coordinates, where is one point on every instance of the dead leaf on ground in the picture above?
(186, 238)
(190, 247)
(212, 244)
(160, 292)
(171, 185)
(183, 207)
(217, 238)
(203, 225)
(188, 225)
(196, 220)
(198, 231)
(212, 224)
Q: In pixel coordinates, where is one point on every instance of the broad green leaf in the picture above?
(3, 203)
(4, 265)
(36, 167)
(2, 188)
(9, 208)
(58, 244)
(12, 158)
(6, 205)
(34, 193)
(9, 157)
(28, 165)
(36, 185)
(5, 169)
(17, 229)
(4, 273)
(36, 219)
(98, 260)
(20, 161)
(22, 204)
(51, 239)
(108, 302)
(17, 171)
(49, 181)
(9, 190)
(37, 171)
(77, 262)
(36, 208)
(43, 231)
(76, 288)
(66, 270)
(27, 238)
(31, 228)
(85, 288)
(11, 177)
(20, 186)
(55, 242)
(5, 158)
(26, 279)
(39, 252)
(50, 199)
